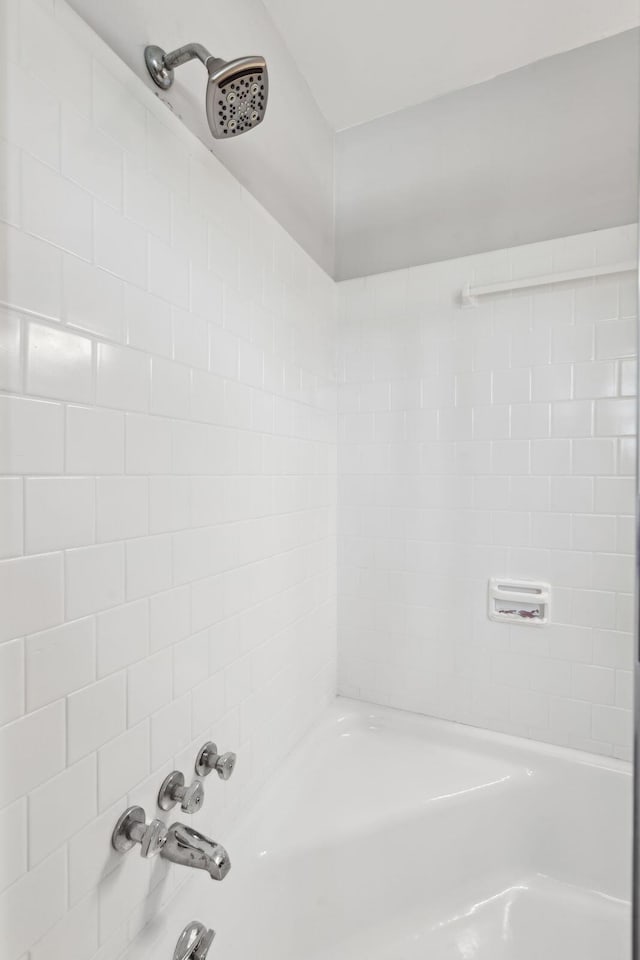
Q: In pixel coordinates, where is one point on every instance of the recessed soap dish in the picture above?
(519, 601)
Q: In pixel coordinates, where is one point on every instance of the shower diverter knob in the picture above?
(174, 791)
(209, 759)
(132, 828)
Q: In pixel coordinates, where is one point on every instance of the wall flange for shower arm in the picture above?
(161, 75)
(237, 90)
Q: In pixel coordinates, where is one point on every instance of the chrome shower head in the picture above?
(237, 90)
(237, 94)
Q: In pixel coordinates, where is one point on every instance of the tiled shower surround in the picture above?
(168, 494)
(495, 440)
(167, 505)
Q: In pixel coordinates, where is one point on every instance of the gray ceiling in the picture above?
(548, 150)
(365, 59)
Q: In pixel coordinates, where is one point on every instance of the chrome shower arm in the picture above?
(161, 65)
(190, 51)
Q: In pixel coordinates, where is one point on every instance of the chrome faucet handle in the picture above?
(132, 828)
(173, 791)
(194, 942)
(209, 759)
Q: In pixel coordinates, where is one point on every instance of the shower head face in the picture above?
(237, 93)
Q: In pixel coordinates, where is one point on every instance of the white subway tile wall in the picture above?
(171, 486)
(497, 440)
(168, 498)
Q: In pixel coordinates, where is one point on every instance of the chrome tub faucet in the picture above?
(179, 843)
(192, 849)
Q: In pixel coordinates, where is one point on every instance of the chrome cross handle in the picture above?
(132, 828)
(209, 759)
(173, 790)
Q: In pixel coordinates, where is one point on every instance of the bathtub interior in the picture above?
(395, 837)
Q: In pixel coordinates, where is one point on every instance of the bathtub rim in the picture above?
(344, 708)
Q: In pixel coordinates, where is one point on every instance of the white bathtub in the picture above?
(389, 836)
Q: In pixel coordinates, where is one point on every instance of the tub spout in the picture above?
(186, 846)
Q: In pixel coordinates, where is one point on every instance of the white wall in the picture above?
(167, 499)
(286, 163)
(494, 441)
(549, 150)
